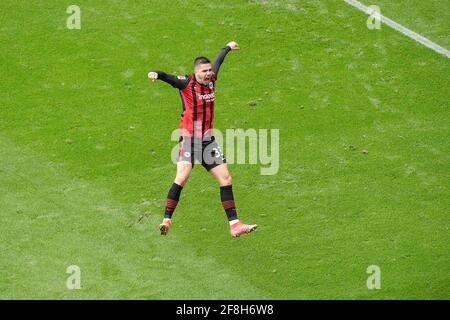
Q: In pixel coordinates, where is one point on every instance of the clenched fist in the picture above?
(233, 45)
(152, 75)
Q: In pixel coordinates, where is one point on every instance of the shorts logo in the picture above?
(216, 152)
(187, 154)
(181, 77)
(211, 85)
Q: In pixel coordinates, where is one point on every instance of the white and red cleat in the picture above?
(165, 226)
(240, 228)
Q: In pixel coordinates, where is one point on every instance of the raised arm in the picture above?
(223, 52)
(179, 82)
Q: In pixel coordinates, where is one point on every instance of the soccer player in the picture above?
(196, 137)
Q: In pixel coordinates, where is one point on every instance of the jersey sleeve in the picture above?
(179, 82)
(223, 52)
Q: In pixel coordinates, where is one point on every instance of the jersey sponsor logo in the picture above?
(209, 96)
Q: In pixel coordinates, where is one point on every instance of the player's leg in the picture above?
(185, 162)
(222, 175)
(225, 181)
(184, 169)
(214, 162)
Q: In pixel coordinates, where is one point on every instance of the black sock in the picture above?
(172, 200)
(226, 195)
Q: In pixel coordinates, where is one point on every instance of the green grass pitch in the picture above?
(85, 151)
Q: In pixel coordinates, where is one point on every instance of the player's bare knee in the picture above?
(182, 178)
(226, 180)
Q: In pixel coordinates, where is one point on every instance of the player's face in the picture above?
(204, 73)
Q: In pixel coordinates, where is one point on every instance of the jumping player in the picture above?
(196, 137)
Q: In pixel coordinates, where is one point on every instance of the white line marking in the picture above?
(394, 25)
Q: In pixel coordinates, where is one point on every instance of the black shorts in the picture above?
(207, 152)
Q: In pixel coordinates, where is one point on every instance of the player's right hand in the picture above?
(152, 75)
(233, 45)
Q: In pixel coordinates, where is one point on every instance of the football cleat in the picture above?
(165, 226)
(240, 228)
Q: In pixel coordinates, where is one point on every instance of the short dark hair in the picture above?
(201, 60)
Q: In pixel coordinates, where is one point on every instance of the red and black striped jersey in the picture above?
(197, 100)
(198, 109)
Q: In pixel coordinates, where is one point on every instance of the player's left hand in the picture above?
(234, 45)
